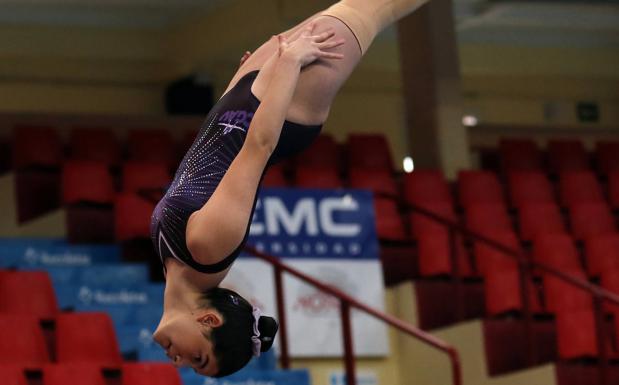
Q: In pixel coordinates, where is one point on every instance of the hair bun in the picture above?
(268, 328)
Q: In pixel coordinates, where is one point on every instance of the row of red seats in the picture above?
(27, 293)
(562, 155)
(78, 338)
(42, 146)
(131, 373)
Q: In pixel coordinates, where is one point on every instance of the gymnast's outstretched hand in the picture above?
(307, 47)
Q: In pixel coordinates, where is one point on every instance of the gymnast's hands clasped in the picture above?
(306, 47)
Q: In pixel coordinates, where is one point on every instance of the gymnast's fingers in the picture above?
(331, 55)
(331, 44)
(326, 35)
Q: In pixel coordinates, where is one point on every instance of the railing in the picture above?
(526, 265)
(346, 304)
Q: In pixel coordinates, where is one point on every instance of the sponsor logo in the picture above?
(314, 302)
(107, 297)
(235, 120)
(34, 257)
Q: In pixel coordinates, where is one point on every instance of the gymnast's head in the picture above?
(219, 337)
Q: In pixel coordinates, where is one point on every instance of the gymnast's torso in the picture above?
(218, 142)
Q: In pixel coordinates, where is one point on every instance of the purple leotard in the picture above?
(217, 144)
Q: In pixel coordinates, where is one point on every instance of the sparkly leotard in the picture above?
(205, 164)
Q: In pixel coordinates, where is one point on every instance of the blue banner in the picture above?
(338, 224)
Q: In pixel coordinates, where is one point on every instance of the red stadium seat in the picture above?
(529, 187)
(98, 145)
(147, 179)
(317, 177)
(435, 255)
(576, 336)
(380, 182)
(13, 375)
(589, 219)
(602, 253)
(607, 156)
(556, 250)
(422, 186)
(36, 146)
(540, 218)
(132, 216)
(82, 374)
(275, 177)
(578, 187)
(389, 224)
(566, 155)
(479, 187)
(152, 145)
(487, 217)
(519, 154)
(149, 374)
(23, 342)
(613, 189)
(610, 281)
(323, 152)
(490, 260)
(369, 151)
(421, 223)
(36, 294)
(86, 182)
(502, 293)
(86, 338)
(561, 295)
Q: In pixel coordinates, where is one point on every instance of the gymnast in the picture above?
(273, 108)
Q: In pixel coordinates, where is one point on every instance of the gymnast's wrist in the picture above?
(289, 58)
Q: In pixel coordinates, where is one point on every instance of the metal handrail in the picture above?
(526, 266)
(346, 304)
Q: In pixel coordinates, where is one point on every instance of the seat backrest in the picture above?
(132, 216)
(556, 250)
(479, 187)
(370, 151)
(86, 181)
(152, 145)
(380, 182)
(145, 176)
(317, 177)
(602, 253)
(490, 260)
(561, 295)
(27, 293)
(82, 374)
(95, 144)
(529, 187)
(149, 374)
(36, 146)
(275, 177)
(86, 338)
(540, 218)
(12, 375)
(566, 155)
(485, 217)
(423, 186)
(519, 154)
(591, 218)
(607, 156)
(420, 223)
(389, 224)
(579, 186)
(323, 152)
(23, 342)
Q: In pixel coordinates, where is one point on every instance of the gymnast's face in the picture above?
(182, 336)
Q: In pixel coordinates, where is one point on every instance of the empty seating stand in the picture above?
(73, 373)
(132, 216)
(540, 218)
(323, 152)
(13, 375)
(152, 145)
(317, 177)
(607, 156)
(479, 187)
(423, 186)
(591, 218)
(526, 187)
(567, 155)
(149, 374)
(579, 187)
(602, 253)
(389, 224)
(275, 176)
(147, 179)
(380, 182)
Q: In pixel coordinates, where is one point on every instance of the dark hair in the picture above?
(232, 340)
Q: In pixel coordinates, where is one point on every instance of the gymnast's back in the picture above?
(218, 142)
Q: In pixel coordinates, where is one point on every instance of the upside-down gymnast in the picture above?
(273, 108)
